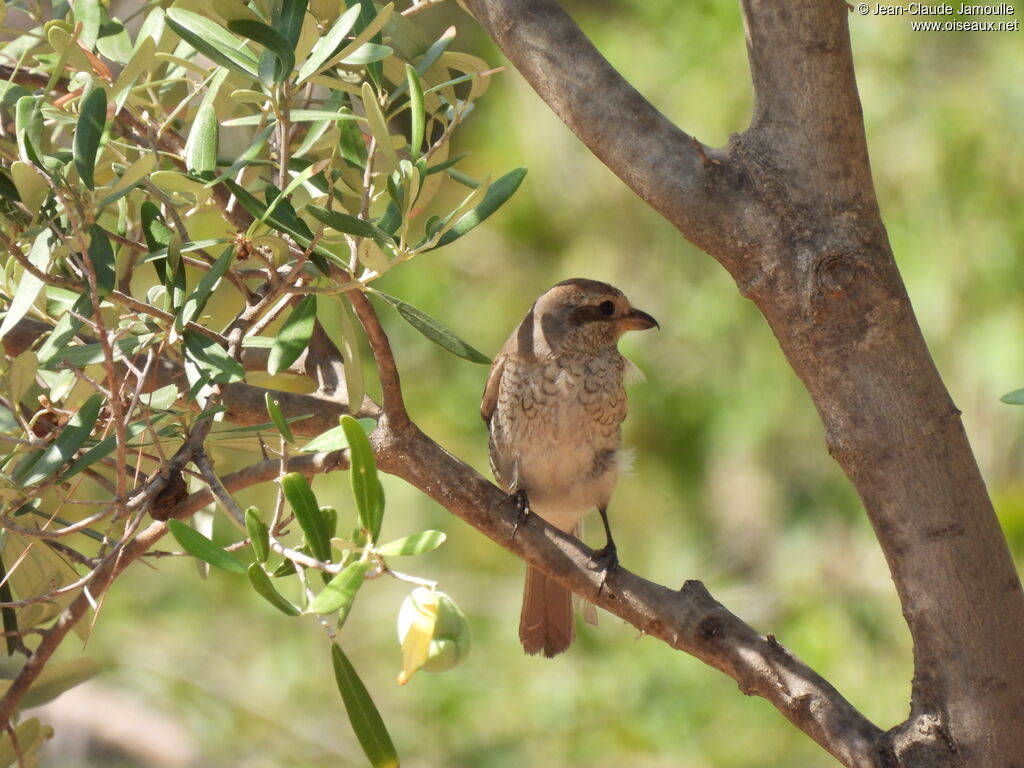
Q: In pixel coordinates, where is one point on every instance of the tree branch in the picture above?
(689, 620)
(667, 168)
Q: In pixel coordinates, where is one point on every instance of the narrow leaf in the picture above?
(1013, 398)
(362, 713)
(28, 128)
(265, 588)
(201, 147)
(196, 300)
(500, 191)
(434, 330)
(134, 174)
(293, 338)
(40, 466)
(417, 544)
(270, 39)
(417, 116)
(365, 485)
(91, 121)
(213, 41)
(197, 545)
(101, 255)
(307, 513)
(343, 222)
(290, 21)
(278, 418)
(29, 286)
(328, 45)
(341, 590)
(378, 124)
(211, 358)
(259, 534)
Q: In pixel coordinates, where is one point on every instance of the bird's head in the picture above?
(586, 314)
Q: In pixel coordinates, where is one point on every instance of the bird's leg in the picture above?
(522, 509)
(607, 558)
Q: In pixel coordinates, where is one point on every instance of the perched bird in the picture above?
(554, 405)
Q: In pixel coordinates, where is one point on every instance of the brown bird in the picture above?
(554, 405)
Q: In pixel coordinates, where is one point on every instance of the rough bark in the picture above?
(789, 209)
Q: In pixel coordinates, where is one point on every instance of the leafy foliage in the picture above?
(174, 192)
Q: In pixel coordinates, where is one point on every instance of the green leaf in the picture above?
(196, 300)
(265, 588)
(91, 121)
(295, 116)
(211, 358)
(307, 513)
(362, 713)
(500, 191)
(197, 545)
(81, 355)
(367, 53)
(339, 323)
(434, 330)
(255, 147)
(328, 45)
(101, 254)
(341, 590)
(278, 418)
(417, 116)
(290, 22)
(102, 449)
(272, 40)
(416, 544)
(343, 222)
(332, 440)
(213, 41)
(259, 534)
(62, 333)
(1014, 398)
(57, 678)
(132, 176)
(28, 128)
(29, 286)
(378, 124)
(293, 338)
(366, 488)
(201, 147)
(40, 465)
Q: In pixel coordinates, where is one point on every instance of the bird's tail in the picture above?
(546, 623)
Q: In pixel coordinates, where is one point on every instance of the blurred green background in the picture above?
(732, 484)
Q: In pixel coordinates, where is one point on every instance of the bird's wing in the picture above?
(490, 398)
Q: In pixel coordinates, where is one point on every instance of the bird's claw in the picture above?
(605, 560)
(522, 510)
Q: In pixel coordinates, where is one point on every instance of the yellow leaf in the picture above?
(418, 617)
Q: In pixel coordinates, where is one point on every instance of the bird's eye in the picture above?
(606, 308)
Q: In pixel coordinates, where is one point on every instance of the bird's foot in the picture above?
(522, 510)
(605, 560)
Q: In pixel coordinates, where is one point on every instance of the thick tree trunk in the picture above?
(789, 209)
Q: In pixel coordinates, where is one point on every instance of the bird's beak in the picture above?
(636, 320)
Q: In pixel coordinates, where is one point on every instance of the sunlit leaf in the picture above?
(259, 534)
(328, 45)
(378, 125)
(213, 41)
(434, 330)
(196, 300)
(29, 286)
(362, 713)
(211, 358)
(417, 544)
(343, 222)
(307, 513)
(499, 191)
(277, 417)
(92, 119)
(366, 488)
(265, 588)
(42, 464)
(416, 113)
(340, 591)
(293, 338)
(201, 147)
(197, 545)
(270, 39)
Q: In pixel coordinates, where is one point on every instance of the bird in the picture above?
(554, 404)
